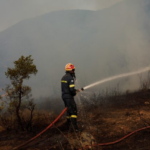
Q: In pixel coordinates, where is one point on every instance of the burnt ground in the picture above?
(101, 121)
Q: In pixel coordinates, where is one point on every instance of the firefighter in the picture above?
(68, 93)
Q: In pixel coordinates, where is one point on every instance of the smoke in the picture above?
(103, 3)
(100, 44)
(12, 12)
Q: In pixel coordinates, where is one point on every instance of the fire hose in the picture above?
(117, 141)
(41, 131)
(101, 144)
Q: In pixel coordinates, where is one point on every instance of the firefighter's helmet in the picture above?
(69, 67)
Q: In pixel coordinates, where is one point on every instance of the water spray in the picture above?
(116, 77)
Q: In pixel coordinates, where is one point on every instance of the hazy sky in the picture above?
(13, 11)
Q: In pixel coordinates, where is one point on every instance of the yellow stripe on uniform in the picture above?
(63, 81)
(73, 116)
(72, 85)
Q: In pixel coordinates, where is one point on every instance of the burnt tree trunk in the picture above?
(17, 111)
(29, 125)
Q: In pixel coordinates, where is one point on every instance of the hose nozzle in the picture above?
(82, 89)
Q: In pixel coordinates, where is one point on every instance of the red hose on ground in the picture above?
(41, 132)
(101, 144)
(119, 140)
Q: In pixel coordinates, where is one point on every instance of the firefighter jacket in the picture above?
(68, 86)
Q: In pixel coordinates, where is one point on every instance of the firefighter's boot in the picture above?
(74, 123)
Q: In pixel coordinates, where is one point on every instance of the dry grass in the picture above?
(105, 121)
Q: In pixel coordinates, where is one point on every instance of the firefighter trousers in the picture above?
(71, 111)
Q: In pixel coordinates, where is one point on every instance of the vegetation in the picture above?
(102, 117)
(17, 92)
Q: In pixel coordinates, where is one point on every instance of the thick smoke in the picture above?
(100, 44)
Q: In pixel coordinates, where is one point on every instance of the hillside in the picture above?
(103, 119)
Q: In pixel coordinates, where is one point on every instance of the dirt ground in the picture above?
(104, 122)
